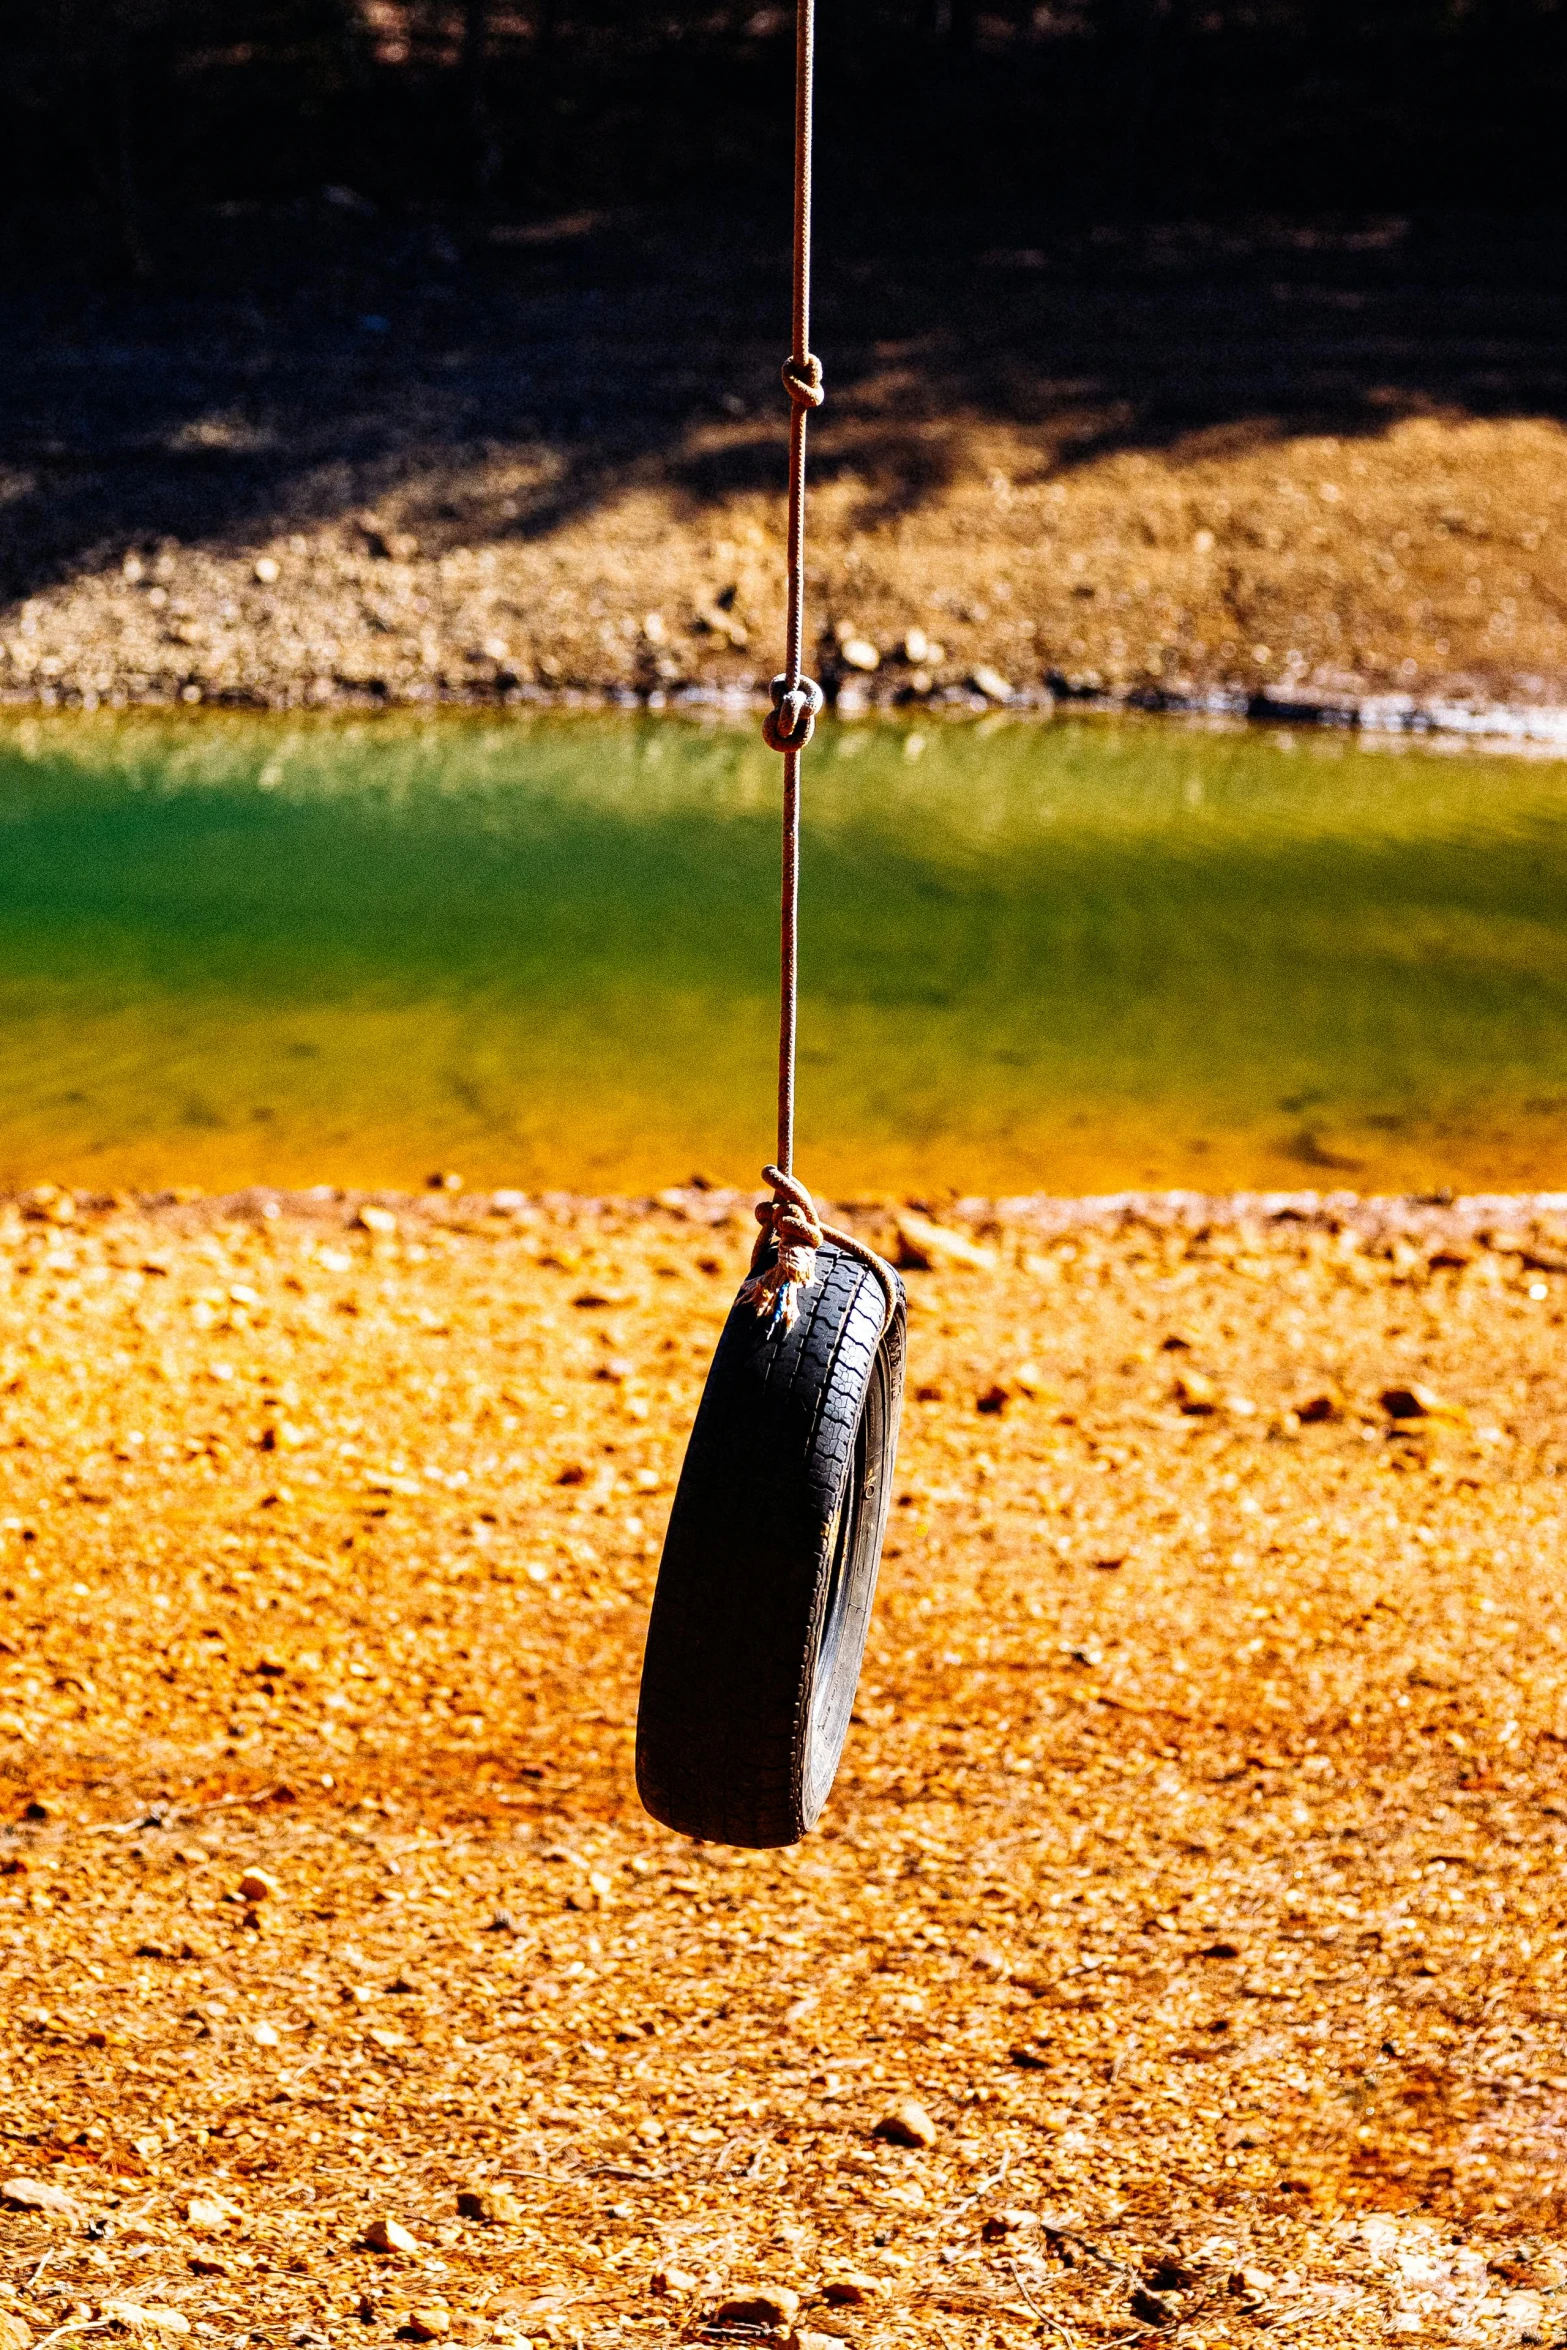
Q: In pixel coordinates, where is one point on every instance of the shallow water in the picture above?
(1080, 956)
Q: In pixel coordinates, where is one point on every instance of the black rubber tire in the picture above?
(769, 1566)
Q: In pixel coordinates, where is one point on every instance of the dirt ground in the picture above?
(1195, 1863)
(333, 458)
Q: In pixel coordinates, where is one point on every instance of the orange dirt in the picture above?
(1195, 1863)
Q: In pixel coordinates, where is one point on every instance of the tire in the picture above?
(769, 1567)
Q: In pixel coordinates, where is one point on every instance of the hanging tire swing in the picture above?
(769, 1566)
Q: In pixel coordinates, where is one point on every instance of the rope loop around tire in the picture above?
(791, 722)
(792, 1229)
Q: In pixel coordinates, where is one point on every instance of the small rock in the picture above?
(39, 2195)
(1326, 1404)
(1167, 2272)
(907, 2124)
(374, 1219)
(670, 2281)
(48, 1204)
(1196, 1395)
(389, 2235)
(991, 684)
(916, 647)
(1001, 2224)
(149, 2317)
(493, 2205)
(852, 2289)
(266, 2036)
(1419, 1403)
(1155, 2309)
(758, 2305)
(258, 1885)
(427, 2323)
(1250, 2284)
(924, 1246)
(208, 2213)
(1029, 2060)
(14, 2335)
(857, 652)
(993, 1398)
(443, 1180)
(267, 569)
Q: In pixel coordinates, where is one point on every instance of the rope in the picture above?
(789, 1222)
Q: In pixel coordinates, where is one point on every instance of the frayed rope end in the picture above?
(789, 1221)
(791, 1225)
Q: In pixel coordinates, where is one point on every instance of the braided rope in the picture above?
(790, 1226)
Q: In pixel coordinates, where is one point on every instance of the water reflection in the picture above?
(1078, 956)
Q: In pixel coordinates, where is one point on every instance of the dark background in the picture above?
(264, 263)
(118, 114)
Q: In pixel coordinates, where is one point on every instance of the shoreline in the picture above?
(515, 475)
(1437, 1216)
(1538, 727)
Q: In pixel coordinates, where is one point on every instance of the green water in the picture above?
(1075, 956)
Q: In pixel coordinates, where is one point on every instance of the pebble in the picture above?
(1326, 1404)
(428, 2322)
(1155, 2309)
(38, 2195)
(673, 2280)
(991, 684)
(924, 1247)
(852, 2289)
(907, 2124)
(267, 569)
(1419, 1403)
(1008, 2223)
(258, 1885)
(1250, 2283)
(206, 2212)
(758, 2305)
(857, 652)
(266, 2036)
(149, 2317)
(495, 2206)
(1195, 1394)
(389, 2235)
(374, 1219)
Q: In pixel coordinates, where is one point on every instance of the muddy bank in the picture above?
(1297, 470)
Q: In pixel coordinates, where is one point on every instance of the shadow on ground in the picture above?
(289, 366)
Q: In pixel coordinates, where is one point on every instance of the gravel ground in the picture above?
(332, 458)
(1195, 1866)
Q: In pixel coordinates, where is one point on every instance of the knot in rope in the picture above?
(802, 380)
(790, 1225)
(791, 722)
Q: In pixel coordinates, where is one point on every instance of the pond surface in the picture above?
(1081, 956)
